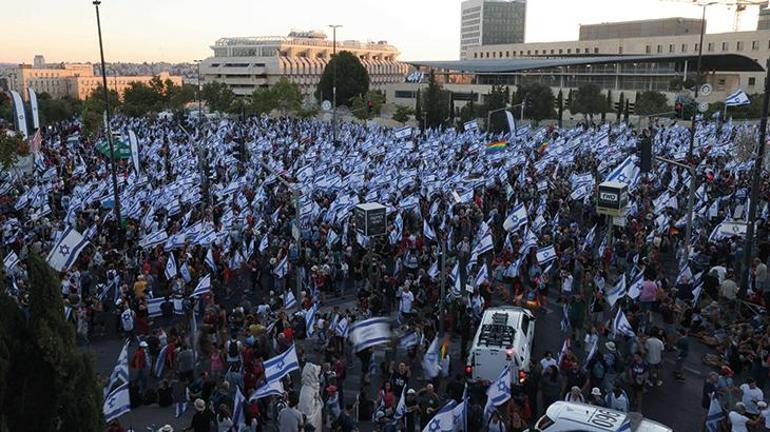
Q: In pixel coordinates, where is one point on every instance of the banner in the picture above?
(20, 117)
(33, 104)
(122, 149)
(134, 144)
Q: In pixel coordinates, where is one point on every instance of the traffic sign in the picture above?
(326, 105)
(706, 89)
(703, 107)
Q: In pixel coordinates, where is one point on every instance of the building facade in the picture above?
(642, 28)
(753, 44)
(75, 80)
(491, 22)
(248, 63)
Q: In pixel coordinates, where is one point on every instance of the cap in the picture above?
(762, 404)
(610, 346)
(596, 392)
(575, 389)
(411, 392)
(142, 344)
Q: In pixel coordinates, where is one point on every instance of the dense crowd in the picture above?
(236, 244)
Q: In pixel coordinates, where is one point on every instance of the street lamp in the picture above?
(199, 95)
(334, 28)
(108, 127)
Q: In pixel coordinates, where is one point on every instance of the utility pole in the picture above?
(756, 174)
(108, 127)
(334, 28)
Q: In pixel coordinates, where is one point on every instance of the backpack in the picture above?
(597, 370)
(232, 349)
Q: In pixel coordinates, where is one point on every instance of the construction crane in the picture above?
(740, 6)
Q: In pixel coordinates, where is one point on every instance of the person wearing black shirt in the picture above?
(203, 419)
(400, 378)
(165, 398)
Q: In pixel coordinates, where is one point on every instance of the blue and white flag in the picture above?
(517, 218)
(281, 365)
(116, 396)
(342, 328)
(545, 255)
(738, 98)
(589, 240)
(627, 172)
(408, 340)
(271, 388)
(444, 420)
(11, 261)
(282, 267)
(204, 286)
(263, 243)
(369, 332)
(289, 301)
(185, 272)
(66, 250)
(210, 260)
(427, 231)
(482, 276)
(714, 416)
(621, 325)
(171, 270)
(618, 291)
(120, 370)
(636, 286)
(331, 238)
(499, 392)
(486, 244)
(160, 362)
(431, 360)
(401, 407)
(153, 239)
(239, 409)
(310, 319)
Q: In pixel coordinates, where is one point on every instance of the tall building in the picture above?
(39, 61)
(763, 23)
(642, 28)
(491, 22)
(248, 63)
(76, 80)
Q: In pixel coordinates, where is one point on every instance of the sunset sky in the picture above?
(183, 30)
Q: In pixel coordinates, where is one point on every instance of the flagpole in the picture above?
(757, 172)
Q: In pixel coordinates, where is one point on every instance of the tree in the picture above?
(469, 111)
(436, 103)
(46, 383)
(570, 102)
(590, 101)
(651, 102)
(418, 111)
(6, 108)
(287, 97)
(496, 99)
(179, 96)
(218, 96)
(560, 106)
(619, 111)
(11, 147)
(352, 78)
(56, 110)
(360, 105)
(607, 105)
(402, 113)
(93, 109)
(140, 99)
(539, 101)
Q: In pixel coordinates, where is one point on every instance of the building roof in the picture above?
(716, 62)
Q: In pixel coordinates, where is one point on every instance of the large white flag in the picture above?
(618, 291)
(34, 107)
(499, 392)
(171, 269)
(281, 365)
(66, 250)
(19, 115)
(134, 143)
(516, 219)
(714, 416)
(621, 325)
(444, 420)
(738, 98)
(369, 332)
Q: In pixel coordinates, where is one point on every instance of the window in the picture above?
(659, 49)
(569, 50)
(585, 50)
(697, 46)
(535, 52)
(552, 51)
(507, 53)
(754, 45)
(406, 94)
(684, 48)
(475, 55)
(596, 50)
(620, 50)
(710, 47)
(725, 46)
(739, 46)
(670, 48)
(561, 51)
(647, 49)
(529, 52)
(752, 81)
(501, 54)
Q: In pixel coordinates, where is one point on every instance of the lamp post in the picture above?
(108, 128)
(334, 28)
(199, 95)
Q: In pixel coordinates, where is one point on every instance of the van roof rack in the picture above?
(496, 334)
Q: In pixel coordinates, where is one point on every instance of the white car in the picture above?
(504, 338)
(572, 416)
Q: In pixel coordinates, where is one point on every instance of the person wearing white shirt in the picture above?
(739, 422)
(548, 361)
(750, 395)
(764, 414)
(407, 298)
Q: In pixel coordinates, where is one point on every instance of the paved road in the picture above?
(674, 404)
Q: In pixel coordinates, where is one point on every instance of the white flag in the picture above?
(66, 250)
(369, 332)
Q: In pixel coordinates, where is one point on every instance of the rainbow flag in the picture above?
(543, 147)
(496, 146)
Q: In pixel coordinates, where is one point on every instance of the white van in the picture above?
(504, 338)
(572, 416)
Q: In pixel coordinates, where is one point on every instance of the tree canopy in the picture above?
(93, 109)
(360, 104)
(589, 100)
(539, 101)
(218, 97)
(283, 96)
(352, 79)
(436, 103)
(651, 102)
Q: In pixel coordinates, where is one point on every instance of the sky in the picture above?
(184, 30)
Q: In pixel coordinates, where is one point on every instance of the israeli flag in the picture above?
(289, 301)
(171, 270)
(282, 267)
(431, 364)
(738, 98)
(546, 254)
(684, 274)
(590, 237)
(204, 286)
(272, 388)
(120, 370)
(444, 420)
(281, 365)
(627, 172)
(408, 340)
(239, 410)
(11, 261)
(342, 328)
(160, 362)
(310, 319)
(482, 276)
(153, 239)
(517, 218)
(486, 244)
(210, 260)
(621, 325)
(66, 250)
(117, 403)
(185, 272)
(427, 231)
(636, 286)
(400, 411)
(263, 243)
(331, 238)
(714, 416)
(617, 292)
(499, 392)
(369, 332)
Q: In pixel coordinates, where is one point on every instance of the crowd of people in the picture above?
(236, 245)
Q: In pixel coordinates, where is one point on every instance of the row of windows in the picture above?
(507, 54)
